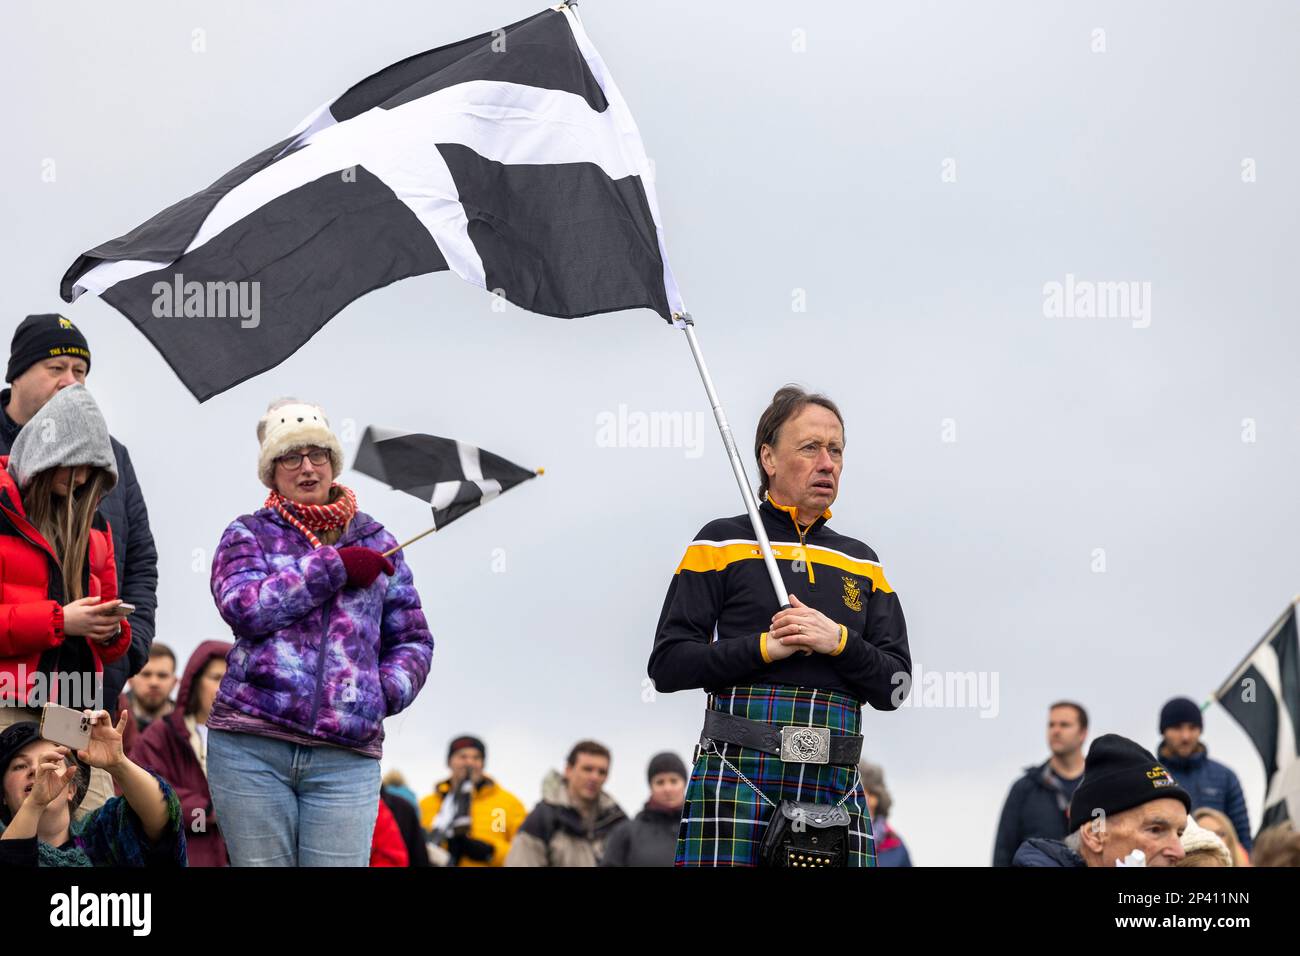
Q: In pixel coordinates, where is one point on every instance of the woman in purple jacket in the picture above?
(330, 640)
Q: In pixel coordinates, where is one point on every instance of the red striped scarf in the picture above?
(312, 518)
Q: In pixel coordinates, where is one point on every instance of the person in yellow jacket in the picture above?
(468, 815)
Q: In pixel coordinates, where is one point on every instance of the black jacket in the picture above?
(648, 840)
(722, 585)
(408, 824)
(137, 558)
(1035, 807)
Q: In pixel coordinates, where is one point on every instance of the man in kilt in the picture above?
(842, 643)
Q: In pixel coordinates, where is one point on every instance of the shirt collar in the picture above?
(792, 511)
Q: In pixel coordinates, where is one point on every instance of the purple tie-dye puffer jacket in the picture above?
(313, 655)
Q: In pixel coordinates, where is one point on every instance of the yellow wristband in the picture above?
(762, 647)
(844, 642)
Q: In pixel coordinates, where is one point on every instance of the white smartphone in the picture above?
(66, 726)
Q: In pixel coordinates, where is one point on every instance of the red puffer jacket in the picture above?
(31, 606)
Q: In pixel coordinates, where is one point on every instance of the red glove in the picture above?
(363, 565)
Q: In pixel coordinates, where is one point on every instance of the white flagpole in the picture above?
(747, 493)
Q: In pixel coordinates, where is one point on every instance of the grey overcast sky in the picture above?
(866, 198)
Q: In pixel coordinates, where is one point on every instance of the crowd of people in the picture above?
(1177, 806)
(264, 750)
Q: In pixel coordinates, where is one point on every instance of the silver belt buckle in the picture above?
(806, 744)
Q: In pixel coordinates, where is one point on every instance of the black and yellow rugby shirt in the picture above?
(720, 604)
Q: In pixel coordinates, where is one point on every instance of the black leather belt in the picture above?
(792, 743)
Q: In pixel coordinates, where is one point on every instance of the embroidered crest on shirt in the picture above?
(852, 594)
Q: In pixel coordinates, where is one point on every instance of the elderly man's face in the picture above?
(1153, 827)
(30, 391)
(803, 468)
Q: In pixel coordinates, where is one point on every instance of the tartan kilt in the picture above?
(724, 820)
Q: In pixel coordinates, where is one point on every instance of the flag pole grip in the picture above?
(687, 324)
(392, 551)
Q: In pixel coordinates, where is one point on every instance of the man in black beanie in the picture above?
(1126, 802)
(1209, 782)
(49, 353)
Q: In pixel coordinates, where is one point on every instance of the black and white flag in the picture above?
(1263, 695)
(455, 478)
(510, 159)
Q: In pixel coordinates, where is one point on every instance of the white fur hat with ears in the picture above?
(289, 424)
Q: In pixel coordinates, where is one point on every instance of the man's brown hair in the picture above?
(1078, 709)
(588, 747)
(159, 649)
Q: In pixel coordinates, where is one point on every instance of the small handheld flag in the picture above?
(455, 478)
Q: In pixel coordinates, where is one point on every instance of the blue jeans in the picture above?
(283, 804)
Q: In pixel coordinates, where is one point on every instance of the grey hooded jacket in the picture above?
(68, 430)
(133, 546)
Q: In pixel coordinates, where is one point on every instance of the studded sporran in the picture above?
(806, 836)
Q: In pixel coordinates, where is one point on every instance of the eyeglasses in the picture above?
(317, 456)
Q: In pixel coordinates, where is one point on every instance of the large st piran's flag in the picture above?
(509, 159)
(1263, 695)
(455, 478)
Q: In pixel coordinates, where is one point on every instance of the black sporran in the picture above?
(806, 836)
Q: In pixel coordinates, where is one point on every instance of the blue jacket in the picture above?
(1037, 852)
(1212, 785)
(1035, 807)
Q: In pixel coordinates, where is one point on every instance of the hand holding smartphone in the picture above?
(95, 619)
(66, 726)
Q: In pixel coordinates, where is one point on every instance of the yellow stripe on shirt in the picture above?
(708, 556)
